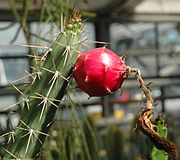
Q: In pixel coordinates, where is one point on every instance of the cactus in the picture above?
(90, 134)
(46, 91)
(157, 154)
(114, 143)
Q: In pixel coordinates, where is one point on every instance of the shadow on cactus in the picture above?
(48, 87)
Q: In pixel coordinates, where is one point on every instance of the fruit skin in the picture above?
(99, 71)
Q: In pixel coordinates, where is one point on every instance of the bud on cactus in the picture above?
(99, 71)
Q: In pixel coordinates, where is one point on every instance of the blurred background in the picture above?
(146, 32)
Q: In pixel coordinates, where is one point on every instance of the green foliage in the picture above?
(157, 154)
(50, 80)
(70, 139)
(90, 134)
(64, 144)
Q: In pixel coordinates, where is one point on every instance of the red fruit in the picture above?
(99, 71)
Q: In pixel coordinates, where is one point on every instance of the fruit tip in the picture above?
(86, 79)
(109, 91)
(124, 57)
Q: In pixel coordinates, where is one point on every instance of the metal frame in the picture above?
(102, 34)
(102, 23)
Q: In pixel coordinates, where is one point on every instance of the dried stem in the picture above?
(145, 120)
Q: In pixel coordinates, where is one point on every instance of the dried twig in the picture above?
(145, 121)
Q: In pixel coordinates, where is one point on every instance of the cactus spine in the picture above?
(46, 92)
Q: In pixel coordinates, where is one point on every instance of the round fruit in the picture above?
(99, 71)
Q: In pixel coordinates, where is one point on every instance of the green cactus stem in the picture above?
(157, 154)
(90, 134)
(46, 93)
(114, 143)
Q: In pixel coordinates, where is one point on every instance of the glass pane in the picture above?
(6, 101)
(7, 45)
(169, 43)
(172, 105)
(169, 35)
(89, 33)
(147, 64)
(132, 36)
(43, 33)
(7, 122)
(135, 40)
(170, 65)
(172, 90)
(13, 69)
